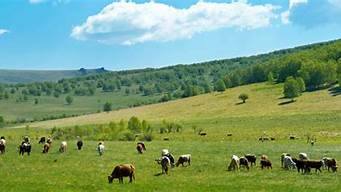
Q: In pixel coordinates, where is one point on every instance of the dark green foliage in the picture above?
(134, 125)
(2, 121)
(301, 84)
(69, 99)
(219, 86)
(107, 107)
(291, 88)
(36, 101)
(243, 97)
(270, 78)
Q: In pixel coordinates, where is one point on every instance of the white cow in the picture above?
(100, 148)
(234, 164)
(303, 156)
(63, 146)
(289, 163)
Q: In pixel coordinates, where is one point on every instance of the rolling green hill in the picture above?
(265, 101)
(30, 76)
(317, 65)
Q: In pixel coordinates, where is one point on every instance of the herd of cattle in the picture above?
(302, 163)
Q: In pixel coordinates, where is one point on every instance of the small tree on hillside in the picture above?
(69, 99)
(301, 84)
(36, 101)
(271, 78)
(107, 107)
(219, 86)
(291, 88)
(2, 121)
(243, 97)
(134, 125)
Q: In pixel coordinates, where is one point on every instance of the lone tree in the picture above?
(69, 99)
(292, 88)
(107, 107)
(219, 86)
(243, 97)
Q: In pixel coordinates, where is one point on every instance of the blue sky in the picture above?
(70, 34)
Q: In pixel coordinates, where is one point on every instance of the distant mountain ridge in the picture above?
(30, 76)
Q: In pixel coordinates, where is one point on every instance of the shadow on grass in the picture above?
(240, 103)
(286, 102)
(335, 91)
(158, 174)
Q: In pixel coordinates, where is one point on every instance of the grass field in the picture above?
(314, 113)
(51, 106)
(86, 171)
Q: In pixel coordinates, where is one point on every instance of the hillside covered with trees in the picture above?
(314, 66)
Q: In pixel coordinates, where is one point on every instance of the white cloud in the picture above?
(285, 16)
(336, 3)
(293, 3)
(127, 22)
(3, 31)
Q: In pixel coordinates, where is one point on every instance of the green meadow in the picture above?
(316, 114)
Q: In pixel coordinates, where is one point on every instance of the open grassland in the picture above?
(316, 114)
(49, 106)
(265, 102)
(86, 171)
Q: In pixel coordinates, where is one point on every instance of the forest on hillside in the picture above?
(319, 65)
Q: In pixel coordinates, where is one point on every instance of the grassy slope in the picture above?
(263, 103)
(316, 113)
(11, 110)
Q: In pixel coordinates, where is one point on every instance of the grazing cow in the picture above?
(303, 156)
(140, 147)
(289, 163)
(100, 148)
(300, 165)
(329, 163)
(309, 164)
(251, 158)
(183, 159)
(234, 164)
(265, 162)
(123, 170)
(2, 145)
(46, 148)
(79, 144)
(244, 162)
(25, 147)
(49, 140)
(165, 152)
(63, 146)
(42, 140)
(282, 158)
(165, 162)
(264, 157)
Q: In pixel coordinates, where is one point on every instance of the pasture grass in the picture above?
(315, 113)
(86, 171)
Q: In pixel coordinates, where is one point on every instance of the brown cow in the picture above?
(140, 147)
(330, 163)
(123, 170)
(184, 158)
(265, 163)
(308, 164)
(46, 148)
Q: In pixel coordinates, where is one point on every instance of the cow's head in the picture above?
(110, 178)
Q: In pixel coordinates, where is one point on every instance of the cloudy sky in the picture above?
(70, 34)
